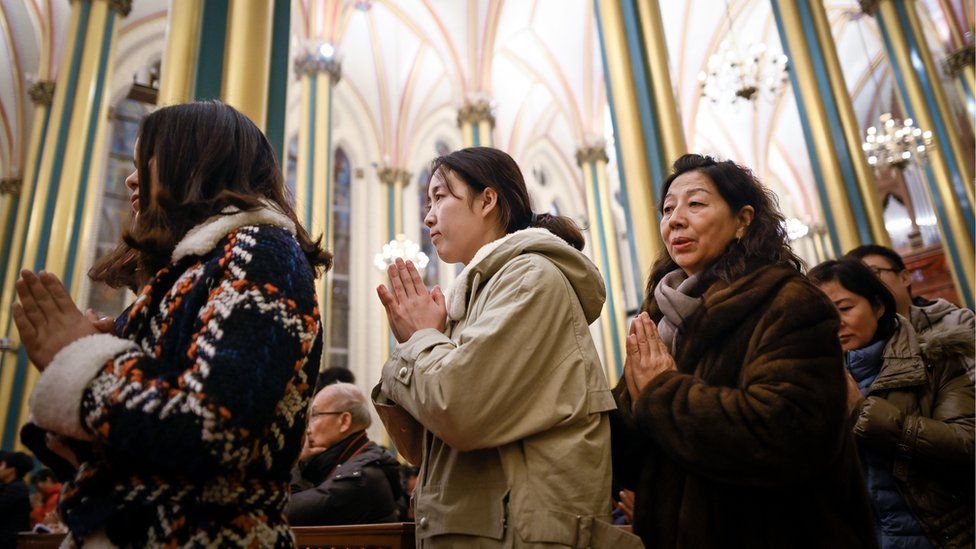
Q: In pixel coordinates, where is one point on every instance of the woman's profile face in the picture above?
(858, 317)
(457, 230)
(697, 223)
(132, 182)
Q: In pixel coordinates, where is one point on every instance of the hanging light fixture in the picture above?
(401, 248)
(733, 75)
(894, 143)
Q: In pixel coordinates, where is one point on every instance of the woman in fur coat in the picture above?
(192, 423)
(731, 422)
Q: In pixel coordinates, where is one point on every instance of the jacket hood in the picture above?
(582, 274)
(936, 311)
(907, 352)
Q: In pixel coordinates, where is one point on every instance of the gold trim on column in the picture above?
(180, 58)
(954, 221)
(833, 177)
(866, 184)
(610, 358)
(247, 59)
(42, 93)
(82, 109)
(945, 113)
(656, 51)
(633, 161)
(476, 115)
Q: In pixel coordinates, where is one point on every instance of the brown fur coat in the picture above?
(747, 443)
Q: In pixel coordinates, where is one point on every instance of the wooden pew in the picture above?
(399, 535)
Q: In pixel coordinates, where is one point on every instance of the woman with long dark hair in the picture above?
(912, 409)
(731, 419)
(194, 406)
(495, 389)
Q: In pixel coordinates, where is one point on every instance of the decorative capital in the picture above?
(869, 7)
(122, 7)
(313, 63)
(592, 154)
(42, 92)
(474, 113)
(392, 176)
(956, 61)
(11, 186)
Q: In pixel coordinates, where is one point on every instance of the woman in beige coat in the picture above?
(496, 389)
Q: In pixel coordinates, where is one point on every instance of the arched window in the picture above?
(116, 211)
(339, 318)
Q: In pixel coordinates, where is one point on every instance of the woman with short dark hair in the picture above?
(731, 421)
(193, 422)
(496, 390)
(912, 409)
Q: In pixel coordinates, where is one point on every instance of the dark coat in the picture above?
(15, 509)
(746, 444)
(195, 409)
(917, 421)
(363, 490)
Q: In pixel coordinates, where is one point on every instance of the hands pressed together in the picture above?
(647, 355)
(48, 320)
(410, 306)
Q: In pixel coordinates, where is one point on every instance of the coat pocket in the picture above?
(578, 531)
(468, 510)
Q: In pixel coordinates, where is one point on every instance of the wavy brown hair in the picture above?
(207, 157)
(764, 241)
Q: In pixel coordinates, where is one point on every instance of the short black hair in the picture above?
(21, 462)
(876, 249)
(856, 277)
(334, 374)
(43, 474)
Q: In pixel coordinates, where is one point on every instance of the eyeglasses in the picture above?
(316, 414)
(878, 270)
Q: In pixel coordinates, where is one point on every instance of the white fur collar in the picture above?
(457, 293)
(201, 239)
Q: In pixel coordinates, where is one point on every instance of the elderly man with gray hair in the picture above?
(342, 477)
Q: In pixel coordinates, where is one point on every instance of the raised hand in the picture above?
(46, 317)
(647, 355)
(410, 306)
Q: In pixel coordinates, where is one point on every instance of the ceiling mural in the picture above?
(537, 62)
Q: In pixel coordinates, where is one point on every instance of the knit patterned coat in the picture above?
(195, 409)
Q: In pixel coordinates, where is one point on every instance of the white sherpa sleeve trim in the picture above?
(56, 400)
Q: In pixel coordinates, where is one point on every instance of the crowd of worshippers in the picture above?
(761, 403)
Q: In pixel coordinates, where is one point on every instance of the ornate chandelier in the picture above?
(401, 248)
(894, 143)
(732, 76)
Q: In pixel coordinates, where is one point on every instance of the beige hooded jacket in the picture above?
(507, 413)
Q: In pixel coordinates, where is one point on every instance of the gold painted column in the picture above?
(647, 129)
(603, 241)
(959, 65)
(949, 179)
(846, 184)
(65, 190)
(314, 191)
(247, 60)
(9, 199)
(393, 183)
(477, 123)
(180, 57)
(42, 94)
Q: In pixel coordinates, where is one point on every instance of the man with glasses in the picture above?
(927, 317)
(342, 477)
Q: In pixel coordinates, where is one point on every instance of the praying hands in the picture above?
(47, 319)
(409, 305)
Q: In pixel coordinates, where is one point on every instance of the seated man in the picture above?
(342, 477)
(15, 504)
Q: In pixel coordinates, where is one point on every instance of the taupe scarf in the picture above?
(675, 304)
